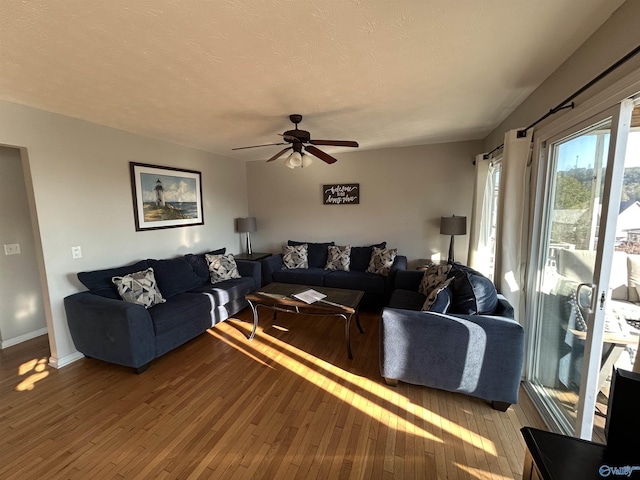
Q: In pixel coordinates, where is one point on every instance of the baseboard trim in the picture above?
(23, 338)
(66, 360)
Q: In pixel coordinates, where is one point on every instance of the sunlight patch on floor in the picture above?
(215, 334)
(288, 359)
(39, 369)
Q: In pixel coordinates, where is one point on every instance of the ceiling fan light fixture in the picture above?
(306, 160)
(299, 140)
(295, 159)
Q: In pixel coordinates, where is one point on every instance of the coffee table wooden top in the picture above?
(279, 294)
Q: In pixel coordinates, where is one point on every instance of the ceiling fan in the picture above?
(300, 140)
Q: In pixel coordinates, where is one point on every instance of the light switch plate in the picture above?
(12, 249)
(76, 252)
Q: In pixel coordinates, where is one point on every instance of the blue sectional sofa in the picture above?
(472, 345)
(105, 327)
(377, 288)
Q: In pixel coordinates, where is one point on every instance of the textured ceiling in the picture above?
(222, 74)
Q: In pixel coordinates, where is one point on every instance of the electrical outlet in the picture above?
(12, 249)
(76, 252)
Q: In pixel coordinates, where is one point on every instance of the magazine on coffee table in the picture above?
(309, 296)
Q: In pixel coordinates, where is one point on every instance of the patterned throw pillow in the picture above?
(139, 287)
(381, 260)
(339, 258)
(433, 282)
(222, 267)
(295, 256)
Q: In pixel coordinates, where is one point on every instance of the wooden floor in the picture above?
(287, 405)
(568, 401)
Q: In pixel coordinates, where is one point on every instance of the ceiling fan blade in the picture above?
(337, 143)
(279, 154)
(320, 154)
(263, 145)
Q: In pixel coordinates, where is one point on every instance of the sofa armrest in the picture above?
(399, 263)
(111, 330)
(473, 354)
(504, 308)
(269, 265)
(249, 268)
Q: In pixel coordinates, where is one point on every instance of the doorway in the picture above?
(22, 316)
(582, 275)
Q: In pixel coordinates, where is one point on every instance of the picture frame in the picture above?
(165, 197)
(341, 194)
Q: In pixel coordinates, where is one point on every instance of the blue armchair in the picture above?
(475, 354)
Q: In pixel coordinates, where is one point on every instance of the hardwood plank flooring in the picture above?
(288, 404)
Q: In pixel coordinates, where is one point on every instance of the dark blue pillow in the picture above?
(443, 301)
(174, 276)
(473, 293)
(317, 253)
(99, 281)
(361, 256)
(199, 263)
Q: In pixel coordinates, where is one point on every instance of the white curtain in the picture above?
(479, 237)
(512, 242)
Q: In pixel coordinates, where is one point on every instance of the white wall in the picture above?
(613, 40)
(404, 192)
(82, 195)
(22, 313)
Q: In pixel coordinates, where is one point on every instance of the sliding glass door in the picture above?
(583, 169)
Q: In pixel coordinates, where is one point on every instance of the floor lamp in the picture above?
(453, 226)
(247, 225)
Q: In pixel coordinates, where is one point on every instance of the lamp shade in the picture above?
(247, 224)
(306, 160)
(295, 159)
(453, 225)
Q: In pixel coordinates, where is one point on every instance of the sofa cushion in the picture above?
(367, 282)
(412, 300)
(302, 276)
(339, 258)
(139, 287)
(222, 267)
(633, 267)
(433, 282)
(295, 256)
(179, 310)
(227, 291)
(317, 252)
(361, 256)
(619, 277)
(473, 293)
(100, 281)
(199, 263)
(174, 276)
(406, 299)
(441, 303)
(381, 260)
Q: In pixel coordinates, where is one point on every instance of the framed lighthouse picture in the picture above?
(165, 197)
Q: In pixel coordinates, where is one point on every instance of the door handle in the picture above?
(592, 305)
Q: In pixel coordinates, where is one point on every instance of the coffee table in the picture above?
(338, 302)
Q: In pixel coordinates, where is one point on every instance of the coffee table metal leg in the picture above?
(347, 334)
(254, 309)
(358, 321)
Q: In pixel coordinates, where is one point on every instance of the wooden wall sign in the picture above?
(341, 194)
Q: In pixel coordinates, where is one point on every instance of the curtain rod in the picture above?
(565, 104)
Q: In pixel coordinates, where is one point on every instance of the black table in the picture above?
(551, 456)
